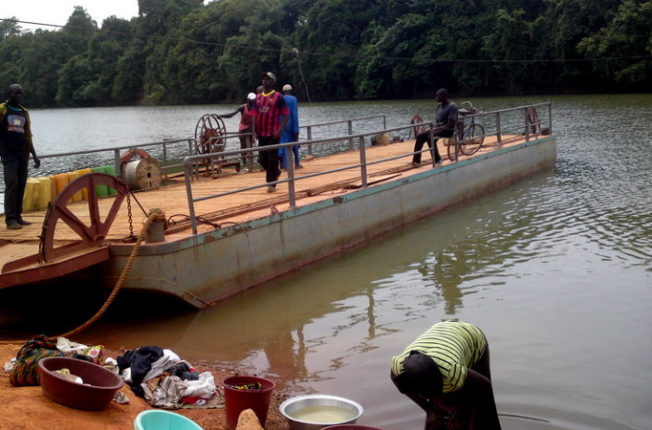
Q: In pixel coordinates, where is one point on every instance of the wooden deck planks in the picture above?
(171, 197)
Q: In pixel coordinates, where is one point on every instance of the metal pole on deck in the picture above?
(363, 161)
(499, 136)
(431, 146)
(191, 204)
(527, 128)
(309, 129)
(116, 163)
(384, 122)
(350, 126)
(253, 145)
(289, 159)
(165, 158)
(550, 117)
(249, 156)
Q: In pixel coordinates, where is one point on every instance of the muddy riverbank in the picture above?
(26, 408)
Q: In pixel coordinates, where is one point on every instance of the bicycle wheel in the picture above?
(473, 139)
(452, 147)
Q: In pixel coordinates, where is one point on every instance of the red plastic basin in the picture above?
(102, 383)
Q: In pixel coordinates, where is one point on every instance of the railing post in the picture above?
(116, 163)
(309, 130)
(165, 158)
(350, 127)
(431, 146)
(289, 159)
(499, 136)
(384, 122)
(249, 156)
(550, 117)
(527, 126)
(363, 161)
(191, 205)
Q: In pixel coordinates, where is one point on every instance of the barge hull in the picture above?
(208, 267)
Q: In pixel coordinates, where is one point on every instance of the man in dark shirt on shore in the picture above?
(15, 147)
(269, 109)
(445, 120)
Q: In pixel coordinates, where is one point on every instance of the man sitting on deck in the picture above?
(445, 119)
(446, 372)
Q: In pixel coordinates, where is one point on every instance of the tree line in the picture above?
(186, 52)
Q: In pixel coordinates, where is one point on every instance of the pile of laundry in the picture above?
(24, 368)
(158, 375)
(167, 381)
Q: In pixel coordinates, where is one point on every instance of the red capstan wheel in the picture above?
(210, 138)
(209, 133)
(90, 235)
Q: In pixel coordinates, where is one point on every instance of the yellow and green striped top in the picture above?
(453, 345)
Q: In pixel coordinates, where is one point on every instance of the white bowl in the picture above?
(295, 408)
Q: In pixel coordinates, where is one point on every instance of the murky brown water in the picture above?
(556, 269)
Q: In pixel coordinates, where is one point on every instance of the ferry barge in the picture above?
(224, 233)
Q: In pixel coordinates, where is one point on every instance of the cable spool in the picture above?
(141, 174)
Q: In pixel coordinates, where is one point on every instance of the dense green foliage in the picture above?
(185, 51)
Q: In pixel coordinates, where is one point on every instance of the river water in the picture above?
(556, 269)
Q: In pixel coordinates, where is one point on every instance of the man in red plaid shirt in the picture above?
(269, 109)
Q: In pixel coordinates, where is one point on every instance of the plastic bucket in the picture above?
(44, 195)
(236, 401)
(110, 170)
(84, 190)
(29, 195)
(156, 419)
(53, 188)
(60, 181)
(100, 190)
(77, 197)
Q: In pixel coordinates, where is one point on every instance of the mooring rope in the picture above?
(153, 216)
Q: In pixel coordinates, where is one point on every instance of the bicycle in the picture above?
(467, 139)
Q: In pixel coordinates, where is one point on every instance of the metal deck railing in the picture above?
(182, 155)
(512, 121)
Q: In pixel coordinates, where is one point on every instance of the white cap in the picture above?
(287, 87)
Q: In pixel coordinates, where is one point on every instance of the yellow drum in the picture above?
(28, 197)
(60, 182)
(84, 191)
(43, 192)
(78, 195)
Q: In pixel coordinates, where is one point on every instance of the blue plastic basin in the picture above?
(156, 419)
